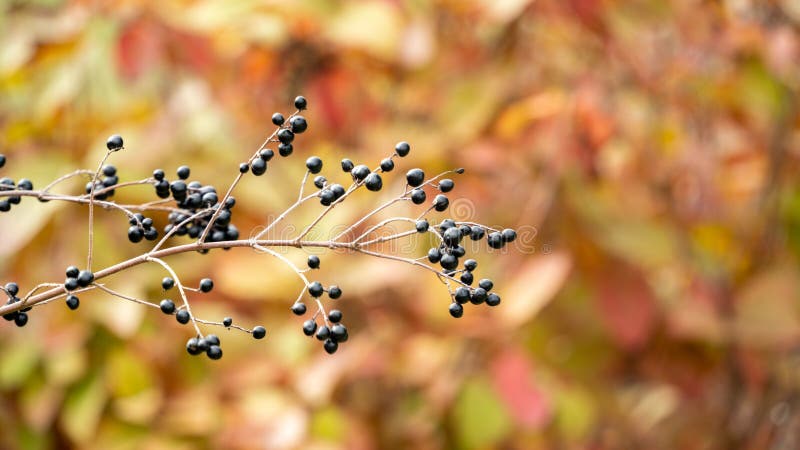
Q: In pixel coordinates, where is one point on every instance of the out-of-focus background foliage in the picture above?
(648, 152)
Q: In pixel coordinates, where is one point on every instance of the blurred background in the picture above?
(647, 151)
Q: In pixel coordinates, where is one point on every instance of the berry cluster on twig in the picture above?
(203, 214)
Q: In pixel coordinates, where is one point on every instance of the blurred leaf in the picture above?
(480, 418)
(329, 424)
(524, 298)
(767, 308)
(512, 376)
(17, 363)
(83, 409)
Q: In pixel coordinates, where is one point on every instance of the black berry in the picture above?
(331, 346)
(298, 124)
(309, 327)
(299, 309)
(73, 302)
(214, 352)
(387, 165)
(167, 283)
(402, 148)
(167, 306)
(227, 322)
(456, 310)
(415, 177)
(335, 316)
(418, 196)
(183, 172)
(300, 102)
(334, 292)
(347, 165)
(114, 142)
(373, 182)
(259, 332)
(314, 164)
(313, 262)
(258, 167)
(278, 119)
(440, 203)
(446, 185)
(315, 289)
(182, 317)
(206, 285)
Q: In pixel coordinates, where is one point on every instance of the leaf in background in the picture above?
(767, 308)
(83, 409)
(535, 284)
(480, 417)
(512, 376)
(17, 363)
(626, 306)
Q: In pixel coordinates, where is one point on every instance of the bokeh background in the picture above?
(647, 151)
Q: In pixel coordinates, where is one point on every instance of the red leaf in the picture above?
(512, 378)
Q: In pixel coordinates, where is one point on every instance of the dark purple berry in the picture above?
(456, 310)
(415, 177)
(299, 309)
(300, 102)
(259, 332)
(298, 124)
(402, 148)
(114, 142)
(167, 306)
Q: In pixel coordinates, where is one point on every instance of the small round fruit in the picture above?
(402, 148)
(418, 196)
(299, 309)
(315, 289)
(335, 316)
(493, 299)
(167, 306)
(277, 119)
(309, 327)
(415, 177)
(259, 332)
(331, 346)
(446, 185)
(227, 322)
(373, 182)
(73, 302)
(314, 164)
(214, 352)
(300, 102)
(456, 310)
(167, 283)
(114, 142)
(182, 316)
(298, 124)
(206, 285)
(334, 292)
(313, 262)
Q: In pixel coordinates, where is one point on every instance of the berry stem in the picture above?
(91, 210)
(181, 291)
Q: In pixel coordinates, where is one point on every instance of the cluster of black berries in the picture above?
(332, 335)
(20, 317)
(285, 136)
(210, 345)
(190, 198)
(447, 254)
(109, 180)
(7, 184)
(77, 278)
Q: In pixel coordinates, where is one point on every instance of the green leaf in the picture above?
(83, 409)
(481, 419)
